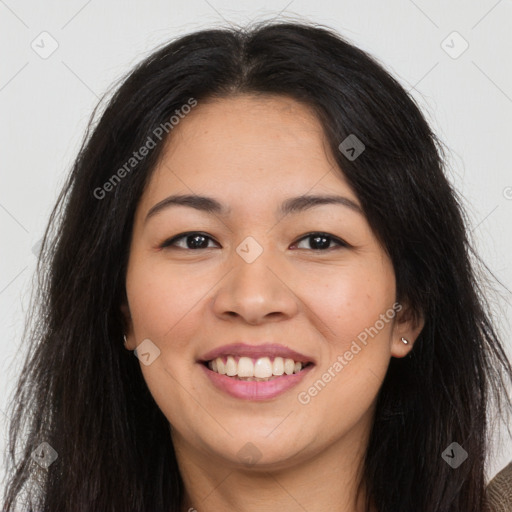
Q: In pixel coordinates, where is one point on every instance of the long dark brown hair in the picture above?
(84, 394)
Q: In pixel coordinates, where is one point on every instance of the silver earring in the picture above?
(405, 341)
(124, 336)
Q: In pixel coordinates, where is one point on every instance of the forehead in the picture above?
(256, 144)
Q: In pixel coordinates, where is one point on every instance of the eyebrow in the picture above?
(212, 206)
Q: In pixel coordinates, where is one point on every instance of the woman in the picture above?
(262, 216)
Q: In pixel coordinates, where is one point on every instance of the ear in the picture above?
(128, 326)
(408, 324)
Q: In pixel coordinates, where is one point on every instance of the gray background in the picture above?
(46, 102)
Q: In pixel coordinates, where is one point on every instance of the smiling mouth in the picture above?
(255, 369)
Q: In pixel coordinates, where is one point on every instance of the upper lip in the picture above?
(256, 351)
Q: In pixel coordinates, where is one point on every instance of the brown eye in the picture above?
(192, 240)
(322, 241)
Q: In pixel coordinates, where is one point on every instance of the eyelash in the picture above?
(171, 241)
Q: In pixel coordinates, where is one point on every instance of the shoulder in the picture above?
(499, 491)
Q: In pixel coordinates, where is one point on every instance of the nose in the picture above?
(256, 292)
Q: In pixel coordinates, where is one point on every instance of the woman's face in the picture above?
(311, 278)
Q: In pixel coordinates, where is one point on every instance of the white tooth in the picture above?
(289, 365)
(210, 365)
(213, 364)
(297, 368)
(278, 366)
(231, 367)
(263, 368)
(221, 367)
(245, 367)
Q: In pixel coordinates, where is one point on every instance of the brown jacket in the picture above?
(499, 491)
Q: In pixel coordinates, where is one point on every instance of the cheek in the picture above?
(349, 300)
(161, 303)
(162, 298)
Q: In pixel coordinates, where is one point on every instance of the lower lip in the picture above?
(254, 390)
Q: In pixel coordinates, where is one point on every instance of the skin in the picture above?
(251, 153)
